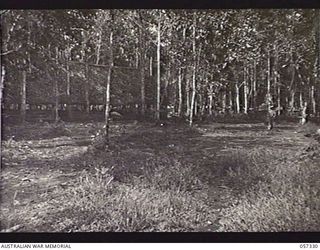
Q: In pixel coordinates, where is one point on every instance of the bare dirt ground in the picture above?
(37, 165)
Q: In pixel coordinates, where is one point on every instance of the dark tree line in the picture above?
(189, 63)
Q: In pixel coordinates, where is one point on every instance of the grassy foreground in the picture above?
(211, 178)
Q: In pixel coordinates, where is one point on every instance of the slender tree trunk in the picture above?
(245, 88)
(187, 97)
(279, 99)
(98, 48)
(237, 98)
(224, 101)
(301, 103)
(109, 75)
(69, 111)
(194, 69)
(277, 79)
(158, 68)
(230, 101)
(86, 86)
(180, 92)
(210, 96)
(313, 100)
(292, 99)
(269, 74)
(292, 85)
(254, 82)
(56, 101)
(150, 66)
(23, 96)
(142, 63)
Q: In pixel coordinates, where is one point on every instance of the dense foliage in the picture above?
(210, 61)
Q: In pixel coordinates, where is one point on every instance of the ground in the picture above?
(168, 178)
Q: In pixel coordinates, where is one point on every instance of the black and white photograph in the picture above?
(160, 120)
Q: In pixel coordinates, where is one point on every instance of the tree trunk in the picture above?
(86, 86)
(98, 48)
(224, 101)
(276, 76)
(237, 98)
(56, 101)
(23, 96)
(158, 68)
(313, 100)
(279, 99)
(254, 82)
(150, 66)
(210, 96)
(109, 74)
(180, 92)
(165, 100)
(269, 96)
(187, 97)
(269, 74)
(194, 69)
(69, 111)
(292, 97)
(142, 62)
(245, 88)
(230, 101)
(301, 103)
(292, 85)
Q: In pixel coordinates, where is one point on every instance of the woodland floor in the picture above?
(38, 167)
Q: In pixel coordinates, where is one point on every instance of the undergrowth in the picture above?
(136, 188)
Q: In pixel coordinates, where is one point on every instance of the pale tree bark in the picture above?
(210, 96)
(268, 95)
(187, 97)
(237, 98)
(23, 96)
(276, 76)
(98, 47)
(142, 55)
(292, 85)
(279, 99)
(158, 68)
(67, 56)
(86, 89)
(269, 74)
(180, 92)
(230, 101)
(313, 100)
(254, 82)
(150, 66)
(301, 102)
(56, 91)
(165, 92)
(56, 101)
(224, 100)
(194, 69)
(245, 88)
(107, 95)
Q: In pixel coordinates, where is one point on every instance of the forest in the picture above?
(160, 120)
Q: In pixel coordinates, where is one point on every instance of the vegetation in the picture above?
(210, 178)
(153, 120)
(159, 63)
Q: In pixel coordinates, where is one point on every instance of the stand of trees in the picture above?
(189, 63)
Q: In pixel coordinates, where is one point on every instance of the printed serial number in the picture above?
(308, 245)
